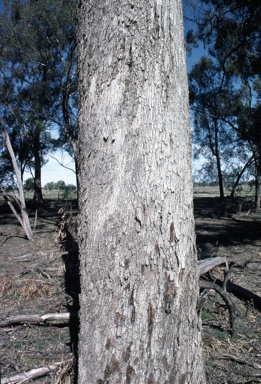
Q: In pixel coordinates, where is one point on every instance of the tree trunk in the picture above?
(258, 173)
(257, 190)
(38, 194)
(219, 170)
(239, 176)
(139, 274)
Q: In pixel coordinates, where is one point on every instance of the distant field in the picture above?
(208, 191)
(51, 195)
(199, 191)
(54, 195)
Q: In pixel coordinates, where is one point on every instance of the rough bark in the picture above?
(139, 273)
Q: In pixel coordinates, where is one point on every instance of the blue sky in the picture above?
(52, 171)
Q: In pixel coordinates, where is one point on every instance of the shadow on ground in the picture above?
(72, 285)
(219, 224)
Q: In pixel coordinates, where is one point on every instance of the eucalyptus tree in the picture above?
(39, 71)
(230, 31)
(139, 276)
(212, 135)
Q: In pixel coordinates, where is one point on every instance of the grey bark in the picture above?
(139, 274)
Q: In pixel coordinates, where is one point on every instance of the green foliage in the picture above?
(50, 186)
(29, 185)
(60, 185)
(206, 314)
(69, 192)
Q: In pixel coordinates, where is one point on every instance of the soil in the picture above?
(43, 277)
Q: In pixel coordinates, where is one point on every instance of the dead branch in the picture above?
(34, 373)
(54, 318)
(19, 199)
(225, 297)
(244, 294)
(227, 356)
(207, 264)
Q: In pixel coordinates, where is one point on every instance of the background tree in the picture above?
(38, 85)
(29, 185)
(231, 33)
(139, 274)
(213, 100)
(60, 185)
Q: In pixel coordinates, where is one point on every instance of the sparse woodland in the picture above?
(149, 283)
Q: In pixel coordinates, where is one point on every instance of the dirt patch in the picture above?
(42, 277)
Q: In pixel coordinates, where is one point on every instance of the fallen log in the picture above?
(207, 264)
(244, 294)
(34, 373)
(54, 318)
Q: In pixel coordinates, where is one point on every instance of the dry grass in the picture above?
(25, 288)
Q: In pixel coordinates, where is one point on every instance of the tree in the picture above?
(29, 184)
(231, 32)
(139, 277)
(60, 185)
(212, 101)
(38, 82)
(50, 186)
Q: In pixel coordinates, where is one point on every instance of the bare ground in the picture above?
(43, 277)
(38, 278)
(223, 231)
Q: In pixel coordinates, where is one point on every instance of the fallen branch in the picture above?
(207, 264)
(34, 373)
(227, 356)
(61, 318)
(225, 297)
(244, 294)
